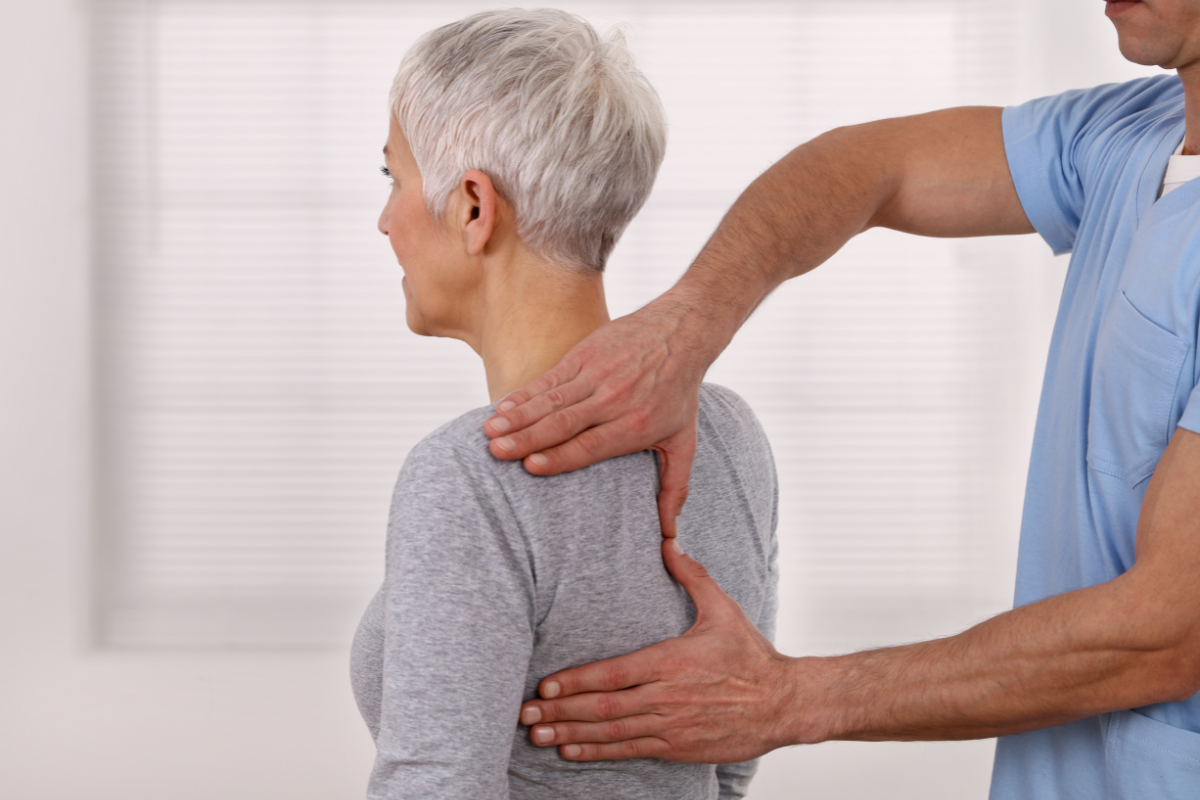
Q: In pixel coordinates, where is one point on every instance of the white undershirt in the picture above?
(1180, 170)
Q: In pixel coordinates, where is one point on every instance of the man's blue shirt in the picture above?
(1121, 375)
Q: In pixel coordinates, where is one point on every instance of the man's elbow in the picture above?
(1177, 672)
(1183, 682)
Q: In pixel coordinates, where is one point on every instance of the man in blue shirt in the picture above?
(1090, 679)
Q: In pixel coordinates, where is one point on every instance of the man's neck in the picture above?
(1190, 76)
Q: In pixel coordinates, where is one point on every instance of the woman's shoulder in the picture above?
(725, 410)
(715, 396)
(465, 430)
(458, 447)
(729, 435)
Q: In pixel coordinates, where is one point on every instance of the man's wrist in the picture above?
(808, 709)
(704, 321)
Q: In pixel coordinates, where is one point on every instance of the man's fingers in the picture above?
(609, 675)
(589, 447)
(586, 707)
(676, 455)
(545, 420)
(617, 730)
(531, 402)
(710, 599)
(616, 751)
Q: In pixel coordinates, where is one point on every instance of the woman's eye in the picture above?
(385, 172)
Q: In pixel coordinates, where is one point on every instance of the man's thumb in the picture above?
(710, 599)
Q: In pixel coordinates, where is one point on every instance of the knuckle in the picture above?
(676, 493)
(631, 748)
(545, 383)
(566, 419)
(556, 398)
(607, 706)
(614, 676)
(588, 440)
(616, 391)
(616, 731)
(677, 663)
(640, 421)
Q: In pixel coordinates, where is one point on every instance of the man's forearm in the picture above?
(1061, 659)
(791, 219)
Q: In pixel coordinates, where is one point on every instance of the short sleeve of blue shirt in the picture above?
(1052, 145)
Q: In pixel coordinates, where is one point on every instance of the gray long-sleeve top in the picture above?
(496, 578)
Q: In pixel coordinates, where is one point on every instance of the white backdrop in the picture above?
(257, 390)
(80, 721)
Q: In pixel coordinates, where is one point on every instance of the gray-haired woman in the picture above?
(521, 145)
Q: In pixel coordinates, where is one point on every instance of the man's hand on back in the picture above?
(720, 693)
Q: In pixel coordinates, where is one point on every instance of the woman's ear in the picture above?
(477, 210)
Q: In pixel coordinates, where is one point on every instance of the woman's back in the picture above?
(496, 578)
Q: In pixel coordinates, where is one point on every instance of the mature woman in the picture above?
(520, 146)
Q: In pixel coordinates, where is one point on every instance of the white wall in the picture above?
(75, 721)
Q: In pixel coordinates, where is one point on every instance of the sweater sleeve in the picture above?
(458, 630)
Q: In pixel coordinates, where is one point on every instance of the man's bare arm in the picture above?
(634, 383)
(720, 694)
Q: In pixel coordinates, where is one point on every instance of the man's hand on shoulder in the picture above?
(633, 384)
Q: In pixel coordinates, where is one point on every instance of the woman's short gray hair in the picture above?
(568, 129)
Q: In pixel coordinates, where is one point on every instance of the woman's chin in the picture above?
(416, 323)
(420, 330)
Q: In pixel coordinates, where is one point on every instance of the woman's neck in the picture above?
(534, 312)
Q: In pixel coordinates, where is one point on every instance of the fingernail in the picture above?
(506, 444)
(499, 424)
(531, 715)
(551, 690)
(507, 405)
(539, 460)
(675, 546)
(572, 750)
(543, 735)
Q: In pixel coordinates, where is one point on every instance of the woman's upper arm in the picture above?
(458, 632)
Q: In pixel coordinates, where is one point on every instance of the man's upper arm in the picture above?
(978, 171)
(951, 172)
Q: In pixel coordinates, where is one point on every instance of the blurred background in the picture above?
(208, 387)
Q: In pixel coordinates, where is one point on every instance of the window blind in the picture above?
(258, 389)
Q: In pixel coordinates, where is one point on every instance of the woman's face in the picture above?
(438, 275)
